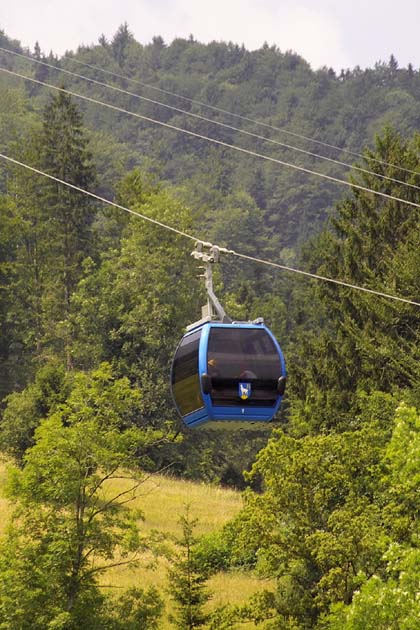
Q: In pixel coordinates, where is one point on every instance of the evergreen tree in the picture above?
(257, 188)
(120, 43)
(65, 155)
(393, 65)
(374, 342)
(41, 71)
(68, 215)
(27, 271)
(11, 227)
(54, 235)
(188, 579)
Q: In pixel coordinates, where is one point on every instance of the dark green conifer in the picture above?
(188, 579)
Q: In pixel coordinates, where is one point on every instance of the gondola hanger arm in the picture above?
(208, 254)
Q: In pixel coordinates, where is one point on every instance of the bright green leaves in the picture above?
(316, 526)
(337, 523)
(72, 519)
(403, 455)
(384, 604)
(403, 476)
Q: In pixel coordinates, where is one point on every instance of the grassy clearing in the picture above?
(162, 501)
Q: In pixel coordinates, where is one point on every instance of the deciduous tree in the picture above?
(71, 521)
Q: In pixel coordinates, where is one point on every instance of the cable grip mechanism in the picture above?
(209, 254)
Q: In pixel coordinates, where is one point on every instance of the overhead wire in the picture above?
(195, 239)
(238, 116)
(212, 121)
(194, 134)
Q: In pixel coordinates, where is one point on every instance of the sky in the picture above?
(333, 33)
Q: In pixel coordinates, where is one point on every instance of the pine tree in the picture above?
(393, 64)
(40, 71)
(53, 232)
(120, 42)
(257, 188)
(188, 580)
(29, 266)
(37, 50)
(68, 214)
(367, 343)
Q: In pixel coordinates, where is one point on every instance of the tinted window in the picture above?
(238, 350)
(243, 355)
(185, 381)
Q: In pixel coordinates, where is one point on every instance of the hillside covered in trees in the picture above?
(93, 302)
(276, 89)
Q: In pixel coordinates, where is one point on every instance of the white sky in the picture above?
(337, 33)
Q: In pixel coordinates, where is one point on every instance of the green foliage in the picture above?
(273, 87)
(384, 604)
(120, 42)
(137, 608)
(52, 236)
(403, 453)
(333, 513)
(223, 619)
(212, 552)
(188, 577)
(390, 601)
(127, 311)
(261, 610)
(25, 410)
(69, 393)
(402, 478)
(9, 348)
(68, 527)
(64, 154)
(316, 526)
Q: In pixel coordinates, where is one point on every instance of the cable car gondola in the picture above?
(225, 373)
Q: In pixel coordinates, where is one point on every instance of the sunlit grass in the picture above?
(5, 505)
(235, 587)
(163, 501)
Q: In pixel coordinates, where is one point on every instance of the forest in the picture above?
(94, 300)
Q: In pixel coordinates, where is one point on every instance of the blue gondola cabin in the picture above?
(228, 373)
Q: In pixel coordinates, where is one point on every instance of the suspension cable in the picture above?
(302, 169)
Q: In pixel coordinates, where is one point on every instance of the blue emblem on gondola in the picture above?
(244, 391)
